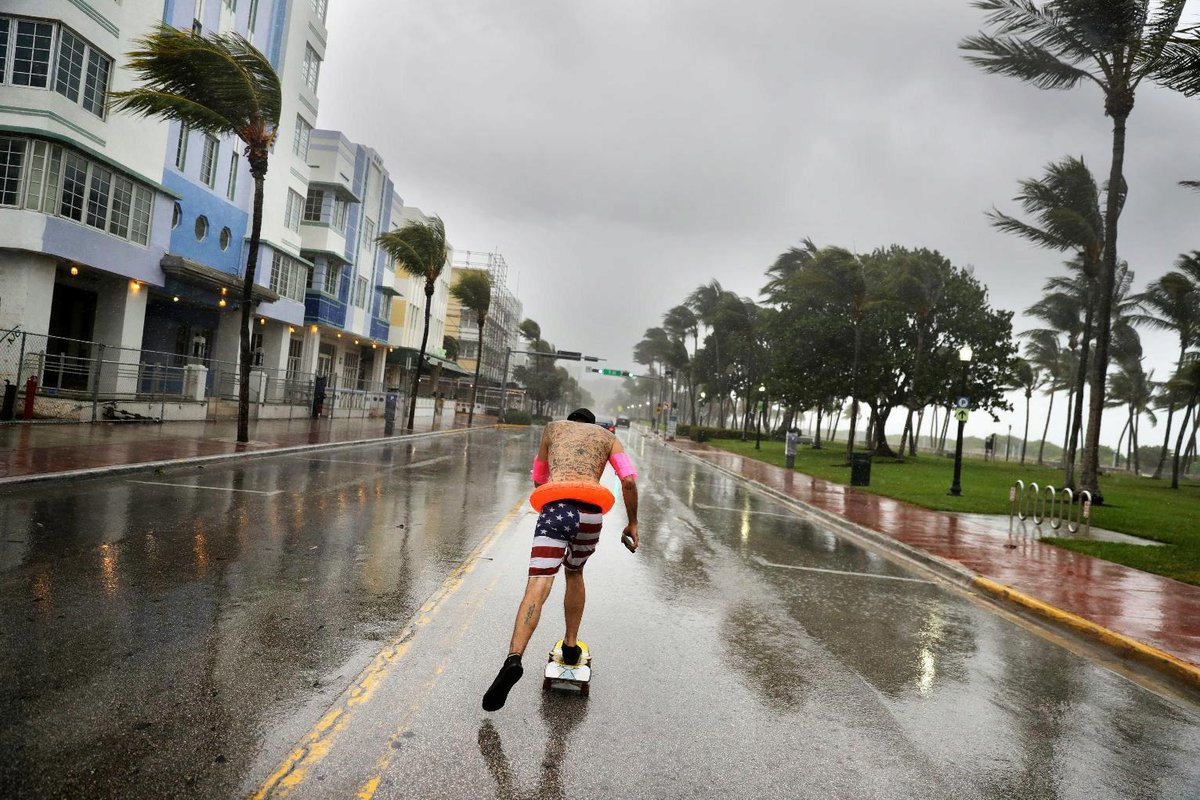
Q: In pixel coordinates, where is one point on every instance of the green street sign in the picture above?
(616, 372)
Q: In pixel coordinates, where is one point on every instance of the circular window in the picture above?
(226, 238)
(176, 215)
(201, 227)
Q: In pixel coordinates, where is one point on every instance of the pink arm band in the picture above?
(623, 466)
(541, 471)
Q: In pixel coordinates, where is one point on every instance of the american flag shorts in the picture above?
(567, 533)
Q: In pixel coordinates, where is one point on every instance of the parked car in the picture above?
(622, 422)
(608, 423)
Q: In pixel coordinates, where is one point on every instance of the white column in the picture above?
(120, 319)
(378, 363)
(26, 291)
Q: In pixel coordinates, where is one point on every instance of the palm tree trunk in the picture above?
(1162, 455)
(1046, 431)
(412, 405)
(1179, 443)
(916, 435)
(478, 364)
(243, 420)
(817, 430)
(1120, 441)
(1067, 433)
(1080, 377)
(1025, 436)
(1118, 108)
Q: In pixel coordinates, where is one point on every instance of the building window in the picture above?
(176, 215)
(288, 277)
(181, 147)
(360, 292)
(320, 7)
(231, 188)
(12, 159)
(226, 238)
(201, 228)
(208, 161)
(95, 84)
(350, 370)
(311, 69)
(59, 181)
(253, 17)
(47, 55)
(31, 53)
(312, 205)
(340, 209)
(303, 133)
(368, 240)
(295, 204)
(333, 277)
(71, 54)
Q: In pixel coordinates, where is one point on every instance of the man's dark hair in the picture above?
(582, 415)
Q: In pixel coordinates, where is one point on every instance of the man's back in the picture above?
(577, 450)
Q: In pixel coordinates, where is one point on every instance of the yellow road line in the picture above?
(317, 743)
(1122, 644)
(367, 790)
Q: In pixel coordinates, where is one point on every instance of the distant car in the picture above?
(622, 422)
(608, 423)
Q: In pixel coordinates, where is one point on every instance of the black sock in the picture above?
(571, 654)
(510, 673)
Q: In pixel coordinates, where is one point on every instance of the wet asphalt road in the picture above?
(324, 631)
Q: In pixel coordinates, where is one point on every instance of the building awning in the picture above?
(389, 291)
(407, 356)
(194, 272)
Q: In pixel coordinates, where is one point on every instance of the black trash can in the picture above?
(9, 404)
(860, 469)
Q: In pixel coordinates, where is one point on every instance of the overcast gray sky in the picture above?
(620, 153)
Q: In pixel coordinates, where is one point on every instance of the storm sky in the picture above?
(620, 153)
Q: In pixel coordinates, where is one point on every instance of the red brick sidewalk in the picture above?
(1150, 609)
(43, 449)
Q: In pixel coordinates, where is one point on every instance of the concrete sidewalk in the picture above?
(1147, 617)
(36, 451)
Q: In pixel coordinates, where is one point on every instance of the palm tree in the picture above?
(1065, 206)
(419, 248)
(1026, 378)
(1186, 385)
(474, 291)
(679, 323)
(1132, 387)
(1115, 45)
(1172, 303)
(221, 85)
(1045, 352)
(450, 345)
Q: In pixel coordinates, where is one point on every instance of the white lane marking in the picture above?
(743, 510)
(766, 563)
(424, 463)
(211, 488)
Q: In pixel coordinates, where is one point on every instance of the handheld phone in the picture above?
(627, 540)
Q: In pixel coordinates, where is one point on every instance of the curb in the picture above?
(143, 466)
(1122, 645)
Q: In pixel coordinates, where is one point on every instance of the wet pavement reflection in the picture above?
(175, 637)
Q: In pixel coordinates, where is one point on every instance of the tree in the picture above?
(474, 291)
(1114, 44)
(450, 345)
(1065, 207)
(419, 248)
(1186, 386)
(1026, 378)
(221, 85)
(679, 323)
(1132, 387)
(1045, 352)
(1172, 303)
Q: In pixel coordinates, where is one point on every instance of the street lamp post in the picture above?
(964, 355)
(762, 393)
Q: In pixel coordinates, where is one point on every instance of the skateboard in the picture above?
(573, 678)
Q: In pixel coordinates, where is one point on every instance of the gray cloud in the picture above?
(621, 153)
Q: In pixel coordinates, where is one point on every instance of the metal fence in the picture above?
(74, 380)
(1046, 503)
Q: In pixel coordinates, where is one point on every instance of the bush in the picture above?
(515, 416)
(541, 419)
(704, 433)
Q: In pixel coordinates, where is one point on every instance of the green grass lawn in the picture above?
(1137, 506)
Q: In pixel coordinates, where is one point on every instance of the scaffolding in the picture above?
(504, 314)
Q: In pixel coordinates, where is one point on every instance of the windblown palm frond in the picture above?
(418, 247)
(218, 83)
(474, 290)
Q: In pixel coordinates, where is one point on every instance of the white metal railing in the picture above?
(1042, 503)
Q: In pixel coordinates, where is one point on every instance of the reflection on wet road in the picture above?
(175, 637)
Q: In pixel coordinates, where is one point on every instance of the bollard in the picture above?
(30, 395)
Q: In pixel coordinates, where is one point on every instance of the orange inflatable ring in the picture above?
(583, 491)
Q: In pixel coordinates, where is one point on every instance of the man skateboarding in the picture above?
(567, 472)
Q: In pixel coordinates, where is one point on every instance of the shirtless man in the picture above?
(567, 532)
